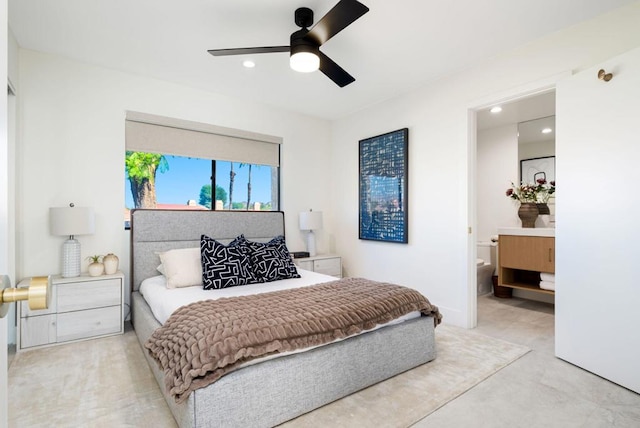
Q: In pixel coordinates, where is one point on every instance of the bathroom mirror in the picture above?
(537, 146)
(537, 140)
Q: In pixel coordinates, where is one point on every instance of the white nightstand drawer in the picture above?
(328, 266)
(89, 323)
(87, 295)
(305, 264)
(40, 330)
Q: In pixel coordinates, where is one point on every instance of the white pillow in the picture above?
(182, 267)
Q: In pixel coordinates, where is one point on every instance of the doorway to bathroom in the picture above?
(510, 136)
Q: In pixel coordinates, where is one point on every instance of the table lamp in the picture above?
(310, 220)
(70, 221)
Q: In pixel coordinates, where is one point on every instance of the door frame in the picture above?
(517, 93)
(4, 198)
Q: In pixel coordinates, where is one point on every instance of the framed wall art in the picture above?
(533, 169)
(383, 183)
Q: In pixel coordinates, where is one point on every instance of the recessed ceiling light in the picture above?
(547, 130)
(496, 109)
(248, 63)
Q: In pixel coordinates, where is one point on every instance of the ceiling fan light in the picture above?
(304, 62)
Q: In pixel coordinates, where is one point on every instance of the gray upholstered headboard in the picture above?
(154, 231)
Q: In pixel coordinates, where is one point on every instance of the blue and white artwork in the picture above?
(383, 187)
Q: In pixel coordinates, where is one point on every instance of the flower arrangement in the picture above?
(538, 193)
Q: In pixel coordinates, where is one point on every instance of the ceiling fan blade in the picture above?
(334, 72)
(246, 51)
(336, 20)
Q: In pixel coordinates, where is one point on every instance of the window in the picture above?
(254, 186)
(184, 181)
(177, 164)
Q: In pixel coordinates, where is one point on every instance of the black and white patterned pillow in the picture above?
(272, 261)
(239, 240)
(224, 266)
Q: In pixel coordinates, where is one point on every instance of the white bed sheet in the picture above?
(164, 301)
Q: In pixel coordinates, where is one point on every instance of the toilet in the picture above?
(486, 265)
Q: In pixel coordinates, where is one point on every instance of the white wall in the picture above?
(497, 166)
(72, 150)
(537, 150)
(437, 259)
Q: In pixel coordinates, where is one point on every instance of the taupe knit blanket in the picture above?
(202, 341)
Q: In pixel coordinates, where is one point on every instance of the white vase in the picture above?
(96, 269)
(110, 262)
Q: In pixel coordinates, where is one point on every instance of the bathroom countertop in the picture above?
(533, 231)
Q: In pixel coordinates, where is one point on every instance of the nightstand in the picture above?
(328, 264)
(80, 308)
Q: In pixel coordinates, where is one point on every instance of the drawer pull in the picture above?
(550, 255)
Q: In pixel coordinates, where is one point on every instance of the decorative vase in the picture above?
(96, 269)
(528, 212)
(110, 262)
(544, 215)
(543, 209)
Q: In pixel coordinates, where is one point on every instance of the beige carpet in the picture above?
(106, 383)
(96, 383)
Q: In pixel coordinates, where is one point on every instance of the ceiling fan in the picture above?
(305, 55)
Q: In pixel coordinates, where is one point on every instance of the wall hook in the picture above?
(603, 75)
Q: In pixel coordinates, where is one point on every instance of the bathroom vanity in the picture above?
(523, 254)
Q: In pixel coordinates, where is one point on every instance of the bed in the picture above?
(274, 390)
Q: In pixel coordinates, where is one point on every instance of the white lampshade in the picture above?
(70, 221)
(310, 220)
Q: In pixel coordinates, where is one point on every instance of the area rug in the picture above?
(464, 359)
(95, 383)
(107, 383)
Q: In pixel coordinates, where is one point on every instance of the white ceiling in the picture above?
(394, 48)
